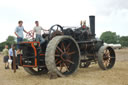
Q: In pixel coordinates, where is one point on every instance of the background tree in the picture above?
(9, 41)
(109, 37)
(2, 45)
(124, 41)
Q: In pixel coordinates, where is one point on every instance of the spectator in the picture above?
(6, 57)
(11, 56)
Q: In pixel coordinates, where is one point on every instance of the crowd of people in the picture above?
(8, 53)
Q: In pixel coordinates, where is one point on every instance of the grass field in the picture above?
(84, 76)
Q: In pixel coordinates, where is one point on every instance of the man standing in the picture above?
(11, 56)
(19, 32)
(37, 29)
(5, 59)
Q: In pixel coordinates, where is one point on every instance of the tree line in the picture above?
(9, 41)
(112, 38)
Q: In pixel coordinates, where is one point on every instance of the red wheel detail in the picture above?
(63, 54)
(30, 35)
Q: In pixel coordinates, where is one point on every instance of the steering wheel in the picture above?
(55, 30)
(30, 34)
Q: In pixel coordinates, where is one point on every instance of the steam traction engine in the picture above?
(64, 50)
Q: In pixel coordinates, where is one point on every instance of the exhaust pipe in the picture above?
(92, 25)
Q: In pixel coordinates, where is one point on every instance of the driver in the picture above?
(37, 29)
(84, 27)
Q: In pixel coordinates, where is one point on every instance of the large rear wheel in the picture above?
(62, 55)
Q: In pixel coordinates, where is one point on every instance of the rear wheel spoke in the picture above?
(63, 47)
(70, 61)
(58, 62)
(70, 53)
(61, 67)
(66, 67)
(60, 49)
(67, 48)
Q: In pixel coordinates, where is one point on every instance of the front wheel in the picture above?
(106, 57)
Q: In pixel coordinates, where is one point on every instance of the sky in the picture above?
(111, 15)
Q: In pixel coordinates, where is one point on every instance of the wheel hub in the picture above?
(65, 56)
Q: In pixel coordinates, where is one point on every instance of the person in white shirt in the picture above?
(37, 29)
(11, 56)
